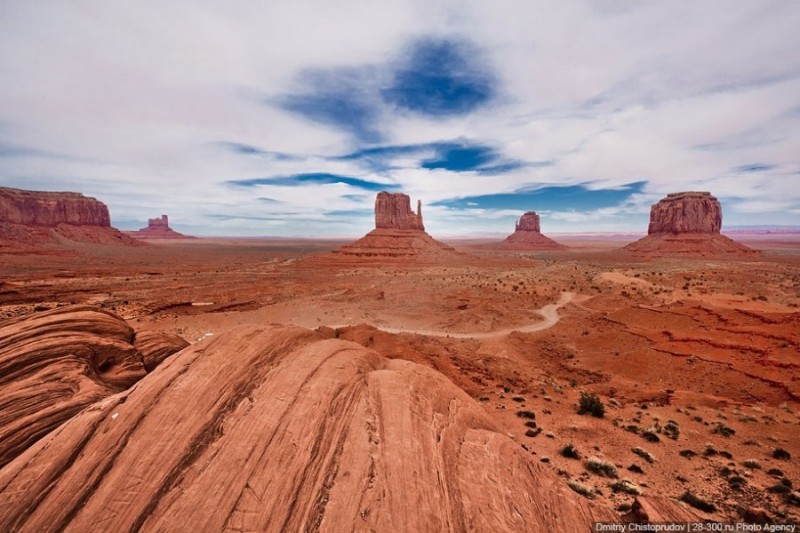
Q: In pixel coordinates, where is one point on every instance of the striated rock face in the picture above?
(528, 222)
(55, 363)
(274, 428)
(527, 236)
(33, 208)
(158, 228)
(393, 211)
(31, 221)
(686, 212)
(687, 223)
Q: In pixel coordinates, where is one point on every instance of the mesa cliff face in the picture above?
(686, 212)
(31, 220)
(275, 428)
(34, 208)
(687, 223)
(399, 234)
(527, 236)
(393, 211)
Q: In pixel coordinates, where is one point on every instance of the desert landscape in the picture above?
(274, 384)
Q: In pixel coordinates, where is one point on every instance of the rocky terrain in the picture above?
(528, 236)
(687, 223)
(30, 220)
(399, 233)
(158, 228)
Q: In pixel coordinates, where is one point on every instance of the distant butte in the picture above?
(32, 219)
(687, 223)
(528, 236)
(158, 228)
(399, 233)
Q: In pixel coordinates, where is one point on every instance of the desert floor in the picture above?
(696, 360)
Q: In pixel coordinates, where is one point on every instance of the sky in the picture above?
(286, 118)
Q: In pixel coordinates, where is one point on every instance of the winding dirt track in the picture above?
(549, 314)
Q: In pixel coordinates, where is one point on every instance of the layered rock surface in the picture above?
(55, 363)
(527, 235)
(32, 218)
(687, 223)
(158, 228)
(399, 234)
(278, 429)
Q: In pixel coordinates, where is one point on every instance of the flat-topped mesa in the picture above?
(393, 211)
(158, 228)
(161, 222)
(686, 212)
(528, 222)
(49, 209)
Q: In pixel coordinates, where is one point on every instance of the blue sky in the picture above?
(277, 118)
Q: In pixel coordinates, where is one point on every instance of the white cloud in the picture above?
(133, 101)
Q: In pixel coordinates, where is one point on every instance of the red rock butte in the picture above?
(35, 218)
(528, 236)
(399, 233)
(687, 223)
(158, 228)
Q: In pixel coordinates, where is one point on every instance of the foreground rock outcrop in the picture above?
(55, 363)
(272, 428)
(34, 218)
(528, 236)
(687, 223)
(158, 228)
(399, 234)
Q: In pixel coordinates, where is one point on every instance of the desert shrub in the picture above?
(671, 430)
(570, 452)
(737, 482)
(518, 399)
(526, 414)
(697, 502)
(533, 432)
(793, 498)
(644, 454)
(722, 429)
(650, 436)
(752, 464)
(687, 453)
(590, 404)
(780, 488)
(628, 487)
(775, 472)
(38, 308)
(530, 424)
(636, 468)
(780, 453)
(600, 467)
(580, 488)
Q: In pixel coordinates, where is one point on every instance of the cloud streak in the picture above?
(584, 111)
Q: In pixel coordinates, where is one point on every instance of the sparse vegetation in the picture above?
(752, 464)
(628, 487)
(650, 436)
(590, 403)
(697, 502)
(570, 452)
(644, 454)
(580, 488)
(779, 489)
(671, 430)
(722, 429)
(780, 453)
(687, 453)
(600, 467)
(526, 414)
(636, 468)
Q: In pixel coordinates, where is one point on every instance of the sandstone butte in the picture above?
(399, 233)
(528, 236)
(158, 228)
(278, 428)
(687, 223)
(34, 218)
(55, 363)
